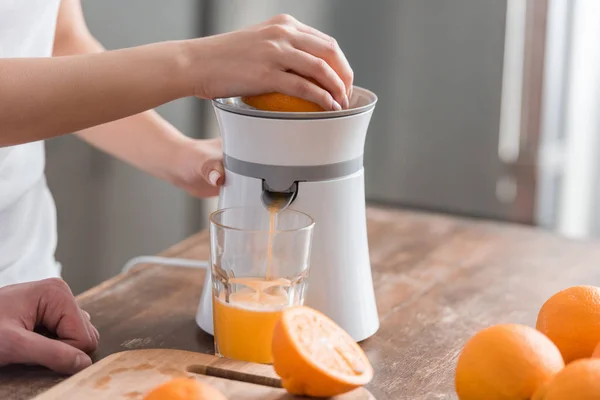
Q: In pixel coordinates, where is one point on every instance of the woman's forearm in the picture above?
(144, 140)
(47, 97)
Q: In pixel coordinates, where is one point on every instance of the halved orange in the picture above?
(315, 357)
(184, 389)
(281, 102)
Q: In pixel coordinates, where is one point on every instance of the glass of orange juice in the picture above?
(259, 262)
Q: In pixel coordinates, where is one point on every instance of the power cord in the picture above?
(178, 262)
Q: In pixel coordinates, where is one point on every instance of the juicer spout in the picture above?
(277, 199)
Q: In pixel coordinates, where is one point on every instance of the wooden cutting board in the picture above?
(130, 375)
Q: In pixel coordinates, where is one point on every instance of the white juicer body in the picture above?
(328, 153)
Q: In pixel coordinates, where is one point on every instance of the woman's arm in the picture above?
(45, 97)
(144, 140)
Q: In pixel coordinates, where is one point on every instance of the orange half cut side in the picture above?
(315, 357)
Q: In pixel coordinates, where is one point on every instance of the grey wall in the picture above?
(108, 211)
(437, 69)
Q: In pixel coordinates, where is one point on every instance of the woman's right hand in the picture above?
(275, 56)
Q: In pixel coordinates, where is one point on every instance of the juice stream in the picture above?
(274, 209)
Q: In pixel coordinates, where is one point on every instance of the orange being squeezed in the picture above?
(244, 325)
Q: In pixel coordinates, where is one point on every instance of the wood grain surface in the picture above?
(130, 375)
(438, 279)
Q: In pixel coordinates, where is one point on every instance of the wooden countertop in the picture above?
(438, 279)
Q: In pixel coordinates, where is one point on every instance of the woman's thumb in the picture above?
(213, 172)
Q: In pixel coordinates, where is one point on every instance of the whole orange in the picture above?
(571, 319)
(314, 356)
(184, 389)
(579, 380)
(505, 362)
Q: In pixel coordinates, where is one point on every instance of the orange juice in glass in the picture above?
(259, 260)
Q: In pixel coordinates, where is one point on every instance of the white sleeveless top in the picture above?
(27, 211)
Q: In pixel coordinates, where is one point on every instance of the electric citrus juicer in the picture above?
(314, 162)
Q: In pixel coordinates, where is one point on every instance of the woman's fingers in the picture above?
(324, 50)
(295, 85)
(323, 46)
(259, 60)
(310, 66)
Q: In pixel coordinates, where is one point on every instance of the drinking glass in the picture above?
(259, 265)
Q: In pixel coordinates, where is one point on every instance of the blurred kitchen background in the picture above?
(487, 109)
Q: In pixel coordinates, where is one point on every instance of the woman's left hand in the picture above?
(198, 168)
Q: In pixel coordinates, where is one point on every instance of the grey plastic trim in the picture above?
(281, 177)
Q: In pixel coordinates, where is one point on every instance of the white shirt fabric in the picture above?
(27, 210)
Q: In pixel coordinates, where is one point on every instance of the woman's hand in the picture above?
(47, 304)
(197, 167)
(274, 56)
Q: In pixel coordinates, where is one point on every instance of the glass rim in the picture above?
(211, 218)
